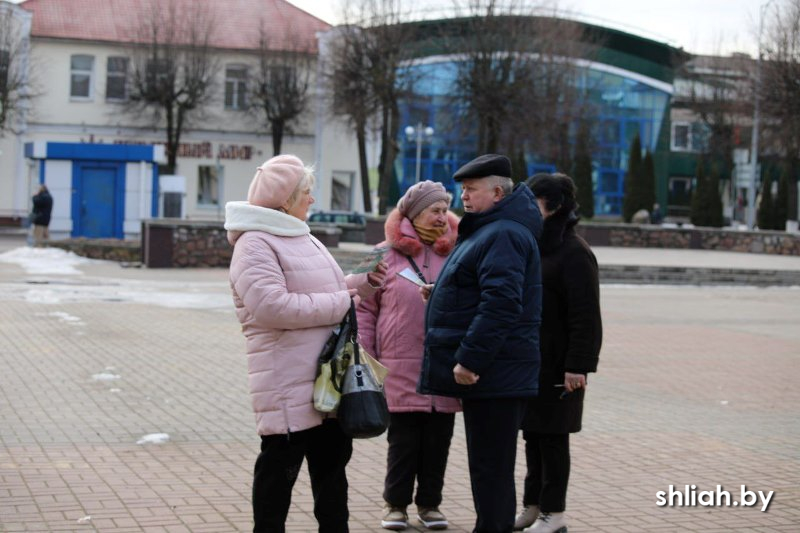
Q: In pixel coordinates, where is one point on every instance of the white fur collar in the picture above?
(242, 216)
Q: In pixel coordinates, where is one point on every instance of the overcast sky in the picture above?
(698, 26)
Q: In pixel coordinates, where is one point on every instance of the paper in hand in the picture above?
(411, 276)
(370, 260)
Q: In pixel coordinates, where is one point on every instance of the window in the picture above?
(117, 78)
(679, 191)
(159, 75)
(207, 186)
(342, 190)
(689, 137)
(681, 137)
(81, 70)
(235, 87)
(280, 79)
(5, 59)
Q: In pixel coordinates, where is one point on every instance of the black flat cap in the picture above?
(485, 166)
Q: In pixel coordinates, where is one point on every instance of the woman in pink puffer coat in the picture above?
(421, 232)
(289, 293)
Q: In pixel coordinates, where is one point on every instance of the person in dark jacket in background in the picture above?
(482, 329)
(571, 335)
(40, 217)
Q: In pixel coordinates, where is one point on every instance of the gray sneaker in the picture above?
(395, 518)
(526, 517)
(549, 523)
(432, 518)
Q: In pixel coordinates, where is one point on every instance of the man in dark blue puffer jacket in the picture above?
(482, 329)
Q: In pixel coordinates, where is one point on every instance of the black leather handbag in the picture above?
(362, 411)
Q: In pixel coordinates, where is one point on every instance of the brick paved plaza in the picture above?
(697, 386)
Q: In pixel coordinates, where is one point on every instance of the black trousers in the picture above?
(418, 447)
(492, 428)
(547, 456)
(328, 451)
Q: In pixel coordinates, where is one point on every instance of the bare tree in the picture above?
(376, 38)
(517, 74)
(780, 90)
(15, 90)
(716, 90)
(279, 93)
(352, 94)
(173, 68)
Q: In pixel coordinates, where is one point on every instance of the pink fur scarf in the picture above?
(404, 239)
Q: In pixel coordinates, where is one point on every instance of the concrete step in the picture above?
(674, 275)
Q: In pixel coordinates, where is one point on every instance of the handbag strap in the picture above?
(416, 268)
(354, 332)
(347, 331)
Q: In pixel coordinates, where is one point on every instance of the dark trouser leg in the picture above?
(276, 471)
(401, 463)
(329, 451)
(437, 432)
(555, 463)
(533, 475)
(492, 428)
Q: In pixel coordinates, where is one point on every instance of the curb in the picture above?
(672, 275)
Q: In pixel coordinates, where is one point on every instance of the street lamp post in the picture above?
(420, 135)
(751, 192)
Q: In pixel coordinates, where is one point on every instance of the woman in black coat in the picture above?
(571, 334)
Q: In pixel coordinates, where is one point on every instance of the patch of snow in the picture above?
(179, 300)
(105, 376)
(163, 294)
(44, 260)
(65, 317)
(42, 296)
(154, 438)
(50, 287)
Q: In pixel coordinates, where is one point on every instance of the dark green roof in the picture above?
(605, 45)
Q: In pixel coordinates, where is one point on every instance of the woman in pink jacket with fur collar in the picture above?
(289, 292)
(421, 232)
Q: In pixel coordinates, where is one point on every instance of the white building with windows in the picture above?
(101, 162)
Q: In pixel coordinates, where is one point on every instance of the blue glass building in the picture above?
(628, 83)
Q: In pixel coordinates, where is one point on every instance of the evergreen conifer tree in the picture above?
(706, 207)
(699, 207)
(631, 200)
(766, 210)
(715, 218)
(648, 182)
(782, 201)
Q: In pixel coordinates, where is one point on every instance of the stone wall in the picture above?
(129, 251)
(181, 243)
(650, 236)
(172, 243)
(201, 246)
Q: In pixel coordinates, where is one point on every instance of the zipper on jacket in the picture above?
(426, 262)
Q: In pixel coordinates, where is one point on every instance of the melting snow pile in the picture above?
(44, 260)
(154, 438)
